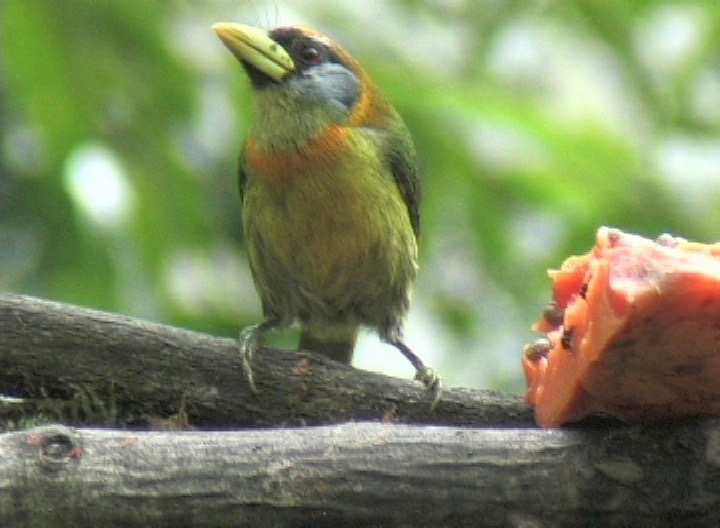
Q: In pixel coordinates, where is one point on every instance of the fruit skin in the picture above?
(330, 197)
(639, 333)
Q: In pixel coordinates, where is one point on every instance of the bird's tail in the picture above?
(335, 342)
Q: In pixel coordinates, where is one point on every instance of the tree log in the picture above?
(84, 366)
(81, 366)
(363, 474)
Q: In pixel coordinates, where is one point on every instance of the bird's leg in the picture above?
(427, 375)
(249, 342)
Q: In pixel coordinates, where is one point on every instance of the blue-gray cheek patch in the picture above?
(330, 82)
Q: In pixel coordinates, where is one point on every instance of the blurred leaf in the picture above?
(511, 184)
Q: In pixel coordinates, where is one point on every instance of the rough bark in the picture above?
(86, 367)
(363, 474)
(82, 366)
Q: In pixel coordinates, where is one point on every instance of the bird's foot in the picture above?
(247, 345)
(431, 379)
(427, 375)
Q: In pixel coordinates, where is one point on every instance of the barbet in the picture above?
(330, 197)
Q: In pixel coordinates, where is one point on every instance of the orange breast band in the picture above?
(283, 165)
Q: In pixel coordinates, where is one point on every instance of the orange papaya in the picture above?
(633, 330)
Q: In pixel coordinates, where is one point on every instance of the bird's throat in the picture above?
(290, 134)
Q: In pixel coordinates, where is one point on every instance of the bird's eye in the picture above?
(310, 55)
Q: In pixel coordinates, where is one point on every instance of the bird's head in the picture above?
(303, 81)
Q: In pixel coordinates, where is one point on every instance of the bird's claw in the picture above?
(432, 381)
(247, 346)
(429, 377)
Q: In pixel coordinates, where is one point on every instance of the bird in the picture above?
(330, 197)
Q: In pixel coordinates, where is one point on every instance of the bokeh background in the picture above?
(535, 122)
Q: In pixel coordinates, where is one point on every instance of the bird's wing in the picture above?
(401, 156)
(242, 177)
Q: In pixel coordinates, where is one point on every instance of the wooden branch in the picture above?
(363, 474)
(82, 366)
(85, 366)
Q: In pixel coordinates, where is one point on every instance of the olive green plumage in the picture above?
(334, 248)
(329, 194)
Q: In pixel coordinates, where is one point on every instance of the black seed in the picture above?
(566, 339)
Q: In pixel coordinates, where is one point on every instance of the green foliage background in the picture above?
(536, 122)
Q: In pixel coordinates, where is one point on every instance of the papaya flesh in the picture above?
(633, 330)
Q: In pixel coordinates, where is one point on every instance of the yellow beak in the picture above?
(254, 46)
